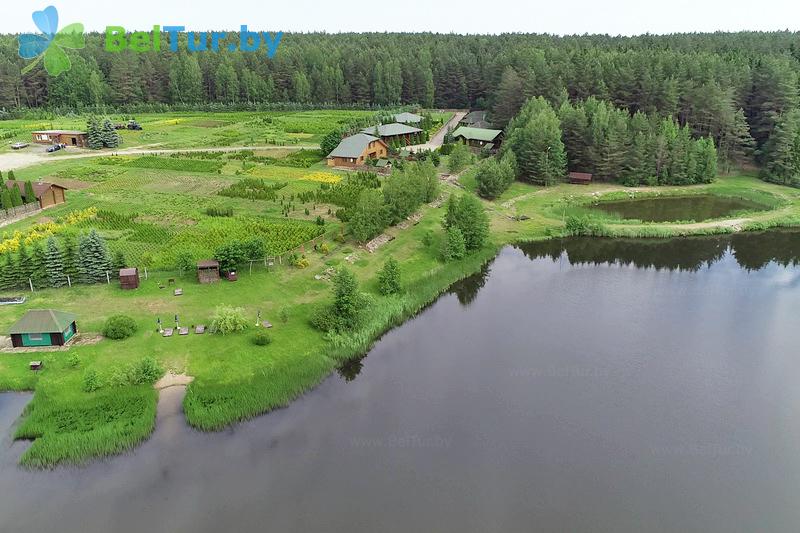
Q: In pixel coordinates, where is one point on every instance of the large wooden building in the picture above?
(68, 137)
(43, 327)
(47, 194)
(394, 133)
(356, 149)
(479, 138)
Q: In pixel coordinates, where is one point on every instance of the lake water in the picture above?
(668, 208)
(582, 386)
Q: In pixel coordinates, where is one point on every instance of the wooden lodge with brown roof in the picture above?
(47, 194)
(356, 149)
(68, 137)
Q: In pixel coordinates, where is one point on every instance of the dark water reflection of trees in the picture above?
(752, 251)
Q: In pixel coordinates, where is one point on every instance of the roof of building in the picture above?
(408, 118)
(380, 163)
(390, 130)
(39, 187)
(61, 132)
(477, 134)
(353, 146)
(128, 272)
(208, 263)
(42, 321)
(474, 116)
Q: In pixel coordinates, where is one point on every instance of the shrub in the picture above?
(453, 247)
(74, 360)
(389, 277)
(119, 327)
(91, 381)
(283, 314)
(583, 226)
(262, 338)
(219, 211)
(145, 371)
(228, 319)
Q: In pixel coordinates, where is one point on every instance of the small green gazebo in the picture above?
(43, 327)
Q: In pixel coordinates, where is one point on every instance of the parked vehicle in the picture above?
(19, 146)
(56, 147)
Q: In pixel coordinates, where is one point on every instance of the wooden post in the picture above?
(108, 278)
(69, 281)
(145, 272)
(30, 282)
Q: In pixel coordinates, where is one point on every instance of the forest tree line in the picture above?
(735, 88)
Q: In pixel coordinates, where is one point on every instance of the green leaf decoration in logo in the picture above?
(56, 61)
(70, 36)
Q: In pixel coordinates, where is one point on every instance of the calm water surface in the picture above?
(582, 386)
(696, 207)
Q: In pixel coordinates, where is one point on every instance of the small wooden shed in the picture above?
(208, 271)
(580, 178)
(129, 278)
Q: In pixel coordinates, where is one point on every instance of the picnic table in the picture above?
(199, 330)
(36, 365)
(168, 332)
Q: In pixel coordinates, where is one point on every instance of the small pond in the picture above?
(697, 207)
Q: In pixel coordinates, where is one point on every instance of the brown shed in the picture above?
(208, 271)
(68, 137)
(129, 278)
(47, 194)
(580, 178)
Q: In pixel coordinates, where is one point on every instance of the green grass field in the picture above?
(234, 378)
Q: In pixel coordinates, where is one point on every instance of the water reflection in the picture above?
(466, 290)
(349, 370)
(753, 251)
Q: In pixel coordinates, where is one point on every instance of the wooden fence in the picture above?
(21, 211)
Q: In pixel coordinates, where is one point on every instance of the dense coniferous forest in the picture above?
(739, 89)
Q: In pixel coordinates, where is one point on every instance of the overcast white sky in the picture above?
(626, 17)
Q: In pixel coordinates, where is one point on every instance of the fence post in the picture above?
(30, 282)
(108, 278)
(69, 281)
(145, 272)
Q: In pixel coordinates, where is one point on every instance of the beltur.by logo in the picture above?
(50, 44)
(118, 40)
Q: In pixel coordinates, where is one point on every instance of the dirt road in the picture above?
(35, 155)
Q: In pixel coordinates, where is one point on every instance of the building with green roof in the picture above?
(395, 132)
(478, 137)
(43, 327)
(408, 118)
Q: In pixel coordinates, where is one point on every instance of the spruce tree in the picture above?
(5, 199)
(118, 262)
(109, 135)
(94, 137)
(69, 251)
(11, 176)
(16, 196)
(54, 264)
(38, 273)
(8, 279)
(93, 260)
(24, 268)
(30, 196)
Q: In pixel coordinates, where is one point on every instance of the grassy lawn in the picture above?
(234, 378)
